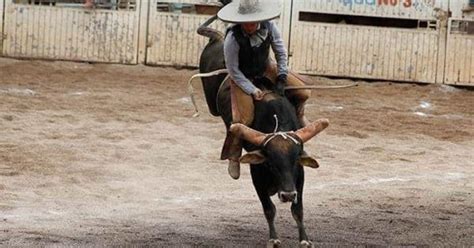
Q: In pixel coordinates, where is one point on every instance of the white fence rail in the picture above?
(2, 13)
(172, 37)
(365, 52)
(351, 39)
(321, 41)
(459, 68)
(68, 33)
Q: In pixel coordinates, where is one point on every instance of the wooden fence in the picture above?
(459, 69)
(403, 40)
(69, 32)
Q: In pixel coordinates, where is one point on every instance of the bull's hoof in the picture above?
(306, 244)
(273, 243)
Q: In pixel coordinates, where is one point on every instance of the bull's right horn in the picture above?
(308, 132)
(251, 135)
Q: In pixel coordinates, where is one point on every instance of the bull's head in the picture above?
(282, 152)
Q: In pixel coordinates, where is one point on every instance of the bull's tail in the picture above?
(209, 32)
(191, 89)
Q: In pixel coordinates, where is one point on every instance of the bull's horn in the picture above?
(251, 135)
(308, 132)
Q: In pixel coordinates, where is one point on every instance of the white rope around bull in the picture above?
(275, 133)
(222, 71)
(276, 123)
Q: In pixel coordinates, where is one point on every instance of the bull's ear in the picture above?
(255, 157)
(308, 161)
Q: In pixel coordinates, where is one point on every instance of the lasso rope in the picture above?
(222, 71)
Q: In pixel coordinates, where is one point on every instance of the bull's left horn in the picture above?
(308, 132)
(251, 135)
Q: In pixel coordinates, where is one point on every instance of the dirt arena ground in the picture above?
(108, 155)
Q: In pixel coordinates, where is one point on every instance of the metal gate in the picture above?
(459, 68)
(53, 29)
(334, 38)
(172, 37)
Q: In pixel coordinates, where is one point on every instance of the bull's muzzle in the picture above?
(287, 196)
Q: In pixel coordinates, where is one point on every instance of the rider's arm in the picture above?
(279, 49)
(231, 56)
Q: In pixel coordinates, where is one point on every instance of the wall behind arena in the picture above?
(402, 40)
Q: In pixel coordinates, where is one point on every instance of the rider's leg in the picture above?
(297, 97)
(242, 112)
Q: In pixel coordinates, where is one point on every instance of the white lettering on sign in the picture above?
(404, 3)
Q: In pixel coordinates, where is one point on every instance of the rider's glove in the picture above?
(280, 84)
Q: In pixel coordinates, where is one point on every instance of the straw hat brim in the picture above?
(230, 13)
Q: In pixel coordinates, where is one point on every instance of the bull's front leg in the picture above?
(261, 184)
(270, 211)
(297, 212)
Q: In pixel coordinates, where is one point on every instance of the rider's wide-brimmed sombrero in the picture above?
(242, 11)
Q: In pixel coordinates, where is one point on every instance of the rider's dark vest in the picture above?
(252, 60)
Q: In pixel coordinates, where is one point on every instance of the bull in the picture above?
(274, 142)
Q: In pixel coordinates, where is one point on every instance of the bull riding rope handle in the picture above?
(222, 71)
